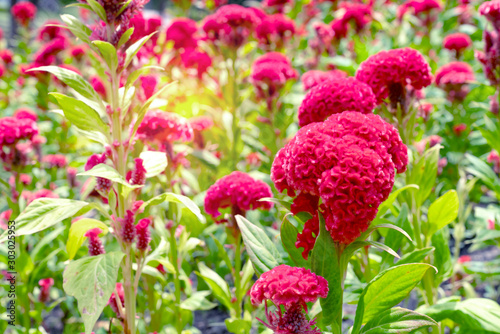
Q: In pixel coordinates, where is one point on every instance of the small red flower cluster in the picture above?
(239, 191)
(333, 97)
(24, 12)
(453, 77)
(159, 126)
(45, 285)
(314, 77)
(348, 162)
(457, 42)
(181, 32)
(291, 288)
(491, 10)
(419, 7)
(275, 30)
(389, 72)
(15, 129)
(55, 160)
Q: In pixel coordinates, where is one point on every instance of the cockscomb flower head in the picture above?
(24, 12)
(314, 77)
(197, 60)
(163, 126)
(491, 10)
(200, 124)
(55, 160)
(181, 31)
(45, 285)
(50, 30)
(359, 14)
(26, 113)
(275, 30)
(333, 97)
(137, 176)
(453, 78)
(143, 234)
(457, 42)
(95, 243)
(113, 299)
(388, 73)
(348, 162)
(291, 288)
(240, 192)
(15, 129)
(277, 6)
(419, 8)
(7, 56)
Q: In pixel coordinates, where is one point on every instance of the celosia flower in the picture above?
(42, 193)
(276, 5)
(164, 127)
(5, 218)
(127, 231)
(457, 42)
(442, 163)
(15, 129)
(50, 30)
(137, 176)
(291, 288)
(98, 85)
(144, 26)
(55, 160)
(419, 8)
(200, 124)
(112, 300)
(95, 243)
(314, 77)
(424, 110)
(333, 97)
(231, 25)
(453, 78)
(494, 158)
(491, 10)
(7, 56)
(143, 234)
(359, 14)
(45, 285)
(26, 113)
(275, 30)
(46, 55)
(25, 179)
(429, 142)
(198, 60)
(103, 186)
(348, 161)
(389, 72)
(181, 31)
(239, 191)
(148, 86)
(23, 12)
(77, 52)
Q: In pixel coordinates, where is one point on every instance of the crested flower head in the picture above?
(314, 77)
(181, 31)
(388, 73)
(457, 42)
(491, 10)
(275, 30)
(419, 7)
(50, 30)
(55, 160)
(239, 191)
(348, 161)
(333, 97)
(164, 127)
(453, 78)
(26, 113)
(200, 61)
(359, 14)
(24, 12)
(15, 129)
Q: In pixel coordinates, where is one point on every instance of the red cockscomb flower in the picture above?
(359, 14)
(14, 129)
(419, 7)
(24, 12)
(50, 30)
(388, 73)
(26, 113)
(291, 288)
(453, 78)
(198, 60)
(7, 56)
(239, 191)
(314, 77)
(95, 243)
(275, 30)
(181, 31)
(333, 97)
(457, 42)
(491, 10)
(55, 160)
(163, 126)
(348, 161)
(45, 285)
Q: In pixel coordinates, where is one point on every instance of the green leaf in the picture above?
(416, 256)
(198, 301)
(207, 157)
(238, 326)
(442, 256)
(98, 9)
(154, 162)
(132, 77)
(491, 133)
(217, 284)
(222, 252)
(91, 281)
(289, 238)
(134, 48)
(386, 205)
(83, 117)
(77, 231)
(261, 250)
(387, 289)
(394, 239)
(472, 314)
(397, 320)
(325, 262)
(484, 172)
(43, 213)
(78, 29)
(359, 244)
(175, 198)
(424, 174)
(108, 53)
(73, 80)
(443, 211)
(125, 37)
(108, 173)
(279, 202)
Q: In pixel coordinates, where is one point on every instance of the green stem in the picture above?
(177, 281)
(129, 293)
(234, 110)
(237, 275)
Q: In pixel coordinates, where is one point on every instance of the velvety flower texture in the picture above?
(389, 72)
(55, 160)
(491, 10)
(359, 14)
(24, 12)
(419, 7)
(457, 42)
(239, 191)
(333, 97)
(163, 126)
(348, 162)
(198, 60)
(275, 29)
(15, 129)
(314, 77)
(286, 286)
(456, 72)
(181, 31)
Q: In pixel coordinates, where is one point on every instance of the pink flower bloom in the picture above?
(428, 142)
(112, 300)
(14, 129)
(494, 158)
(389, 72)
(55, 160)
(26, 113)
(103, 186)
(181, 31)
(458, 129)
(348, 161)
(42, 193)
(77, 52)
(45, 285)
(4, 219)
(291, 288)
(276, 5)
(359, 14)
(137, 176)
(457, 42)
(46, 55)
(314, 77)
(453, 78)
(419, 7)
(333, 97)
(98, 85)
(127, 231)
(143, 234)
(491, 10)
(464, 259)
(275, 30)
(201, 123)
(164, 127)
(491, 224)
(149, 83)
(239, 191)
(424, 110)
(24, 12)
(95, 243)
(7, 56)
(25, 179)
(50, 30)
(198, 60)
